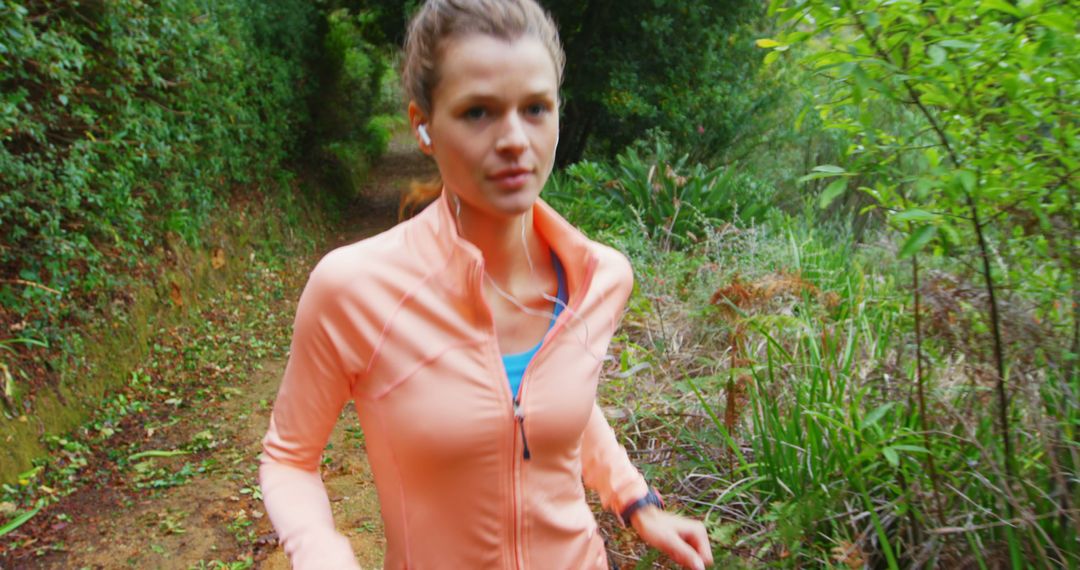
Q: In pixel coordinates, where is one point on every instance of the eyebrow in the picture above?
(484, 97)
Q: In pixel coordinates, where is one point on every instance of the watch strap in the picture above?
(650, 498)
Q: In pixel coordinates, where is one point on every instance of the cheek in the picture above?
(546, 138)
(458, 156)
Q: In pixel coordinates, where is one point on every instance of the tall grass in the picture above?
(780, 359)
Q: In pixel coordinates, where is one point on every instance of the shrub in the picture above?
(674, 202)
(356, 108)
(122, 122)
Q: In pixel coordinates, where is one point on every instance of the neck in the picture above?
(506, 243)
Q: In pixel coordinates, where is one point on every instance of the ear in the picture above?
(417, 118)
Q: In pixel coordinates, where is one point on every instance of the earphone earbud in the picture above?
(422, 130)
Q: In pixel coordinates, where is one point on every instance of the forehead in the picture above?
(483, 65)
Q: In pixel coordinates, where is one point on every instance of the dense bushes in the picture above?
(903, 396)
(122, 122)
(687, 68)
(648, 188)
(961, 122)
(356, 107)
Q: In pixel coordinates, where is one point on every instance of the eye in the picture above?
(536, 109)
(474, 113)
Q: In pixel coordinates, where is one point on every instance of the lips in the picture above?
(511, 178)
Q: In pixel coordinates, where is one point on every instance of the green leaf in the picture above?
(891, 456)
(915, 215)
(156, 453)
(917, 241)
(767, 43)
(21, 519)
(831, 192)
(967, 180)
(818, 175)
(937, 55)
(910, 448)
(1001, 6)
(875, 416)
(958, 44)
(949, 234)
(832, 169)
(1056, 21)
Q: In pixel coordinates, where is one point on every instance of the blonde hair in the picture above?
(440, 20)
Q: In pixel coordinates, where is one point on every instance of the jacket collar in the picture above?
(438, 227)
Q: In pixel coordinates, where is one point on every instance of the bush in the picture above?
(687, 67)
(356, 109)
(122, 122)
(671, 201)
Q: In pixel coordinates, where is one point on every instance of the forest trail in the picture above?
(215, 519)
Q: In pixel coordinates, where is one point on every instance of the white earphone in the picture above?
(422, 130)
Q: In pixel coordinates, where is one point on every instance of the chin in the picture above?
(512, 204)
(517, 204)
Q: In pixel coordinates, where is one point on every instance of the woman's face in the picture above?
(494, 122)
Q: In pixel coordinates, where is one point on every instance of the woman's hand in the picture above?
(684, 540)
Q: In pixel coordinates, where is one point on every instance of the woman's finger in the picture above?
(676, 547)
(698, 538)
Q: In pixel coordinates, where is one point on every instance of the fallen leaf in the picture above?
(217, 260)
(174, 294)
(849, 554)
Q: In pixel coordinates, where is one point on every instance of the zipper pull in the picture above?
(521, 424)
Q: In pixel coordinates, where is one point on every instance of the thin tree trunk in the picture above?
(920, 381)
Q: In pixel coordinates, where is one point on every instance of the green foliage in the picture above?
(123, 122)
(391, 16)
(686, 67)
(673, 202)
(355, 110)
(776, 362)
(979, 125)
(959, 119)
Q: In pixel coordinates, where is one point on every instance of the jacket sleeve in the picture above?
(606, 468)
(313, 392)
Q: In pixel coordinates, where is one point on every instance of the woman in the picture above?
(470, 337)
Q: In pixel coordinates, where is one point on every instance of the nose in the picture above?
(512, 139)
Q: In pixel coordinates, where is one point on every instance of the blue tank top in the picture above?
(515, 364)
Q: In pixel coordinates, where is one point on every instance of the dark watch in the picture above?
(650, 498)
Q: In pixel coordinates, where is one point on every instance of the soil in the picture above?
(215, 519)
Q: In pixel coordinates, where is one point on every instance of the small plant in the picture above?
(171, 523)
(241, 528)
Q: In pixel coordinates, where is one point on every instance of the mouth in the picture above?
(511, 178)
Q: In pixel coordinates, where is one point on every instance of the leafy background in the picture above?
(853, 340)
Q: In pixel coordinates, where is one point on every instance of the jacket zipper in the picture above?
(526, 455)
(520, 417)
(516, 465)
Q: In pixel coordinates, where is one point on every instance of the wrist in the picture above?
(644, 517)
(650, 502)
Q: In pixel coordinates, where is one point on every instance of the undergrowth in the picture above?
(765, 380)
(141, 440)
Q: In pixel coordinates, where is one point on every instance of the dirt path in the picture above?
(198, 506)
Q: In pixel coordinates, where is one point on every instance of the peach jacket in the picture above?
(398, 324)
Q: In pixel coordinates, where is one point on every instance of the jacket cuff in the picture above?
(628, 493)
(321, 549)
